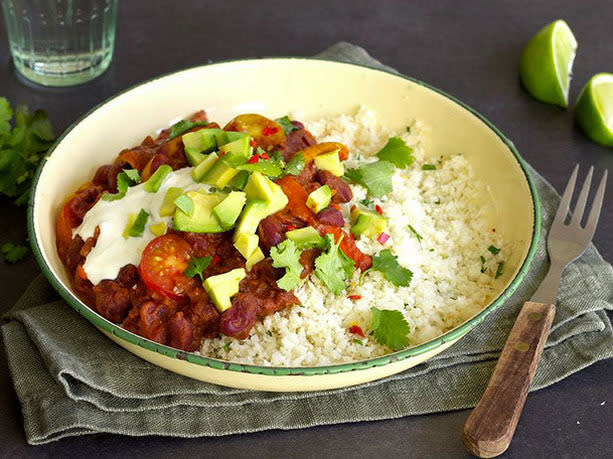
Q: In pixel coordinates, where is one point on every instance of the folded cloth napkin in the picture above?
(72, 380)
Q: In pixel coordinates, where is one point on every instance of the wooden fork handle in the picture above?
(489, 428)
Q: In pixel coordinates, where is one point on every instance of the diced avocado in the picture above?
(168, 205)
(240, 180)
(224, 286)
(202, 220)
(250, 218)
(194, 158)
(237, 152)
(185, 204)
(201, 141)
(366, 223)
(220, 174)
(224, 137)
(330, 162)
(259, 187)
(254, 258)
(201, 169)
(319, 199)
(246, 244)
(158, 229)
(306, 238)
(155, 181)
(228, 210)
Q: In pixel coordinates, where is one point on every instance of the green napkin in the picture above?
(72, 380)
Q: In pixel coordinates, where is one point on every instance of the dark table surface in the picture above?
(469, 49)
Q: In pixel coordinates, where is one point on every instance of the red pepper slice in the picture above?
(356, 330)
(254, 159)
(354, 297)
(378, 209)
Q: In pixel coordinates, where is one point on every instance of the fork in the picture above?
(489, 428)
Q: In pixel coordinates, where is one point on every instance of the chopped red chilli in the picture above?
(383, 238)
(378, 209)
(253, 144)
(265, 156)
(254, 159)
(356, 330)
(354, 297)
(216, 259)
(269, 130)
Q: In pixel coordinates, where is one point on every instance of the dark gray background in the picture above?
(469, 49)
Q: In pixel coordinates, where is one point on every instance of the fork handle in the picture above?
(489, 428)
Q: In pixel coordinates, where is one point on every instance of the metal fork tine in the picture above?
(582, 199)
(565, 201)
(592, 219)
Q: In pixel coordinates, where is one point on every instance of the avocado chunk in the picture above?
(224, 286)
(253, 214)
(330, 162)
(198, 143)
(259, 187)
(236, 152)
(168, 205)
(367, 223)
(254, 258)
(201, 169)
(306, 238)
(228, 210)
(202, 220)
(319, 199)
(240, 180)
(246, 244)
(153, 184)
(220, 174)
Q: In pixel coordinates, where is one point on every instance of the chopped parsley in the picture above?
(357, 341)
(375, 177)
(125, 179)
(428, 167)
(21, 148)
(333, 267)
(13, 253)
(388, 264)
(417, 235)
(183, 126)
(185, 204)
(396, 152)
(226, 346)
(268, 332)
(499, 269)
(366, 202)
(286, 124)
(287, 255)
(493, 250)
(438, 201)
(196, 266)
(295, 165)
(408, 129)
(483, 268)
(390, 328)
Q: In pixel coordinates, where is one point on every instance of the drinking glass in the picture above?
(60, 42)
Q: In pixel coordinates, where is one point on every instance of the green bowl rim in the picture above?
(192, 357)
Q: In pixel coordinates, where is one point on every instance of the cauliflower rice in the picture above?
(448, 285)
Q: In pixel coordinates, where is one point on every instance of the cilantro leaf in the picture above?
(286, 124)
(270, 167)
(333, 267)
(295, 165)
(499, 269)
(196, 266)
(125, 179)
(428, 167)
(390, 328)
(493, 250)
(13, 253)
(387, 263)
(287, 255)
(396, 152)
(181, 127)
(375, 177)
(21, 148)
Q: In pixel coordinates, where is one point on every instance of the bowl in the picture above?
(274, 87)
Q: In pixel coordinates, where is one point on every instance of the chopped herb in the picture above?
(333, 267)
(375, 177)
(270, 167)
(387, 263)
(417, 235)
(137, 228)
(408, 129)
(366, 202)
(428, 167)
(438, 201)
(483, 268)
(357, 341)
(196, 266)
(13, 253)
(295, 165)
(226, 346)
(185, 204)
(286, 124)
(22, 148)
(390, 328)
(499, 269)
(362, 275)
(287, 255)
(430, 250)
(183, 126)
(396, 152)
(268, 332)
(493, 250)
(125, 179)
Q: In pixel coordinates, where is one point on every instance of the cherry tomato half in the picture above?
(162, 264)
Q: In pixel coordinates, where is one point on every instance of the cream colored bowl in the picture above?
(275, 87)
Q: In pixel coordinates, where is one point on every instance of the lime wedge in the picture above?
(546, 63)
(594, 109)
